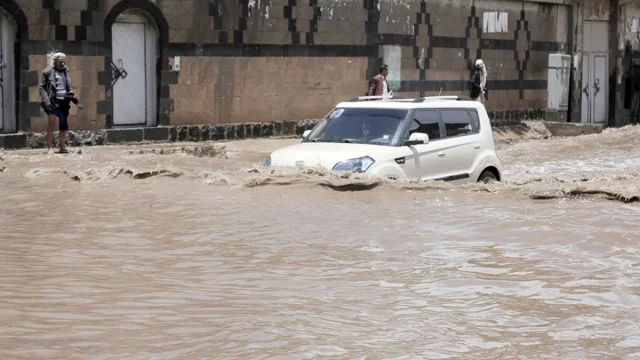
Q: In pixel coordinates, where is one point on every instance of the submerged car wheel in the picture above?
(487, 176)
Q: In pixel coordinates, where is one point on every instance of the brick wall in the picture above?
(266, 89)
(266, 60)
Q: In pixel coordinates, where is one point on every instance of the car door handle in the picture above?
(441, 153)
(476, 146)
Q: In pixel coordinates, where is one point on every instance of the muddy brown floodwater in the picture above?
(193, 251)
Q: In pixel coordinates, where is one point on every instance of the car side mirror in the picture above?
(416, 139)
(306, 133)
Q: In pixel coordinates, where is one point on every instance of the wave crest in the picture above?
(102, 174)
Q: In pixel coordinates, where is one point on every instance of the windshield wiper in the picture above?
(349, 141)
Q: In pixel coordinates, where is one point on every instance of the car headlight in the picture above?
(268, 161)
(359, 165)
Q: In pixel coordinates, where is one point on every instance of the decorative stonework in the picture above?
(522, 37)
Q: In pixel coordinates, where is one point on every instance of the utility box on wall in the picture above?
(559, 72)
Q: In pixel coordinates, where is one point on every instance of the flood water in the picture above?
(154, 252)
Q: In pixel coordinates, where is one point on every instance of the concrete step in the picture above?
(572, 129)
(217, 133)
(162, 134)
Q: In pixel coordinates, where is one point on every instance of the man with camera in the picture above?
(56, 94)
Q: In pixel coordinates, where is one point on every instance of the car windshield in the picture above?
(357, 125)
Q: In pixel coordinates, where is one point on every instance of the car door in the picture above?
(425, 161)
(461, 144)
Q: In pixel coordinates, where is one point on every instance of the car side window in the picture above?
(426, 122)
(476, 120)
(457, 122)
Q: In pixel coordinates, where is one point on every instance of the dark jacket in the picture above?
(376, 85)
(48, 86)
(475, 81)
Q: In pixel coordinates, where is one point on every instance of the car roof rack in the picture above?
(446, 97)
(376, 97)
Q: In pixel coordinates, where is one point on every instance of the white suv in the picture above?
(431, 138)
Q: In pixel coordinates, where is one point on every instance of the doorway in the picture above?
(7, 75)
(133, 66)
(595, 74)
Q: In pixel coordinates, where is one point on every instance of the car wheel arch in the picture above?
(493, 170)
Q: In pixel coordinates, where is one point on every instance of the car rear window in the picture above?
(457, 122)
(476, 120)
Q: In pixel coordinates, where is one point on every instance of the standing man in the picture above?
(378, 85)
(478, 81)
(56, 94)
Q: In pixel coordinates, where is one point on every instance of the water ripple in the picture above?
(165, 268)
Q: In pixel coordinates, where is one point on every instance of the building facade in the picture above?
(147, 63)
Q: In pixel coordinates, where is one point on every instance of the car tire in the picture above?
(487, 176)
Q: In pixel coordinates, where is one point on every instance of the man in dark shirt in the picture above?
(478, 81)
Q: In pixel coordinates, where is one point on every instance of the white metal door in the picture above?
(594, 88)
(130, 74)
(586, 90)
(7, 93)
(595, 57)
(599, 89)
(2, 75)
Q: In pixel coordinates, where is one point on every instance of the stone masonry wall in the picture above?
(215, 90)
(628, 86)
(252, 61)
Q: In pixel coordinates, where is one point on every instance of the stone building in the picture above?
(147, 63)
